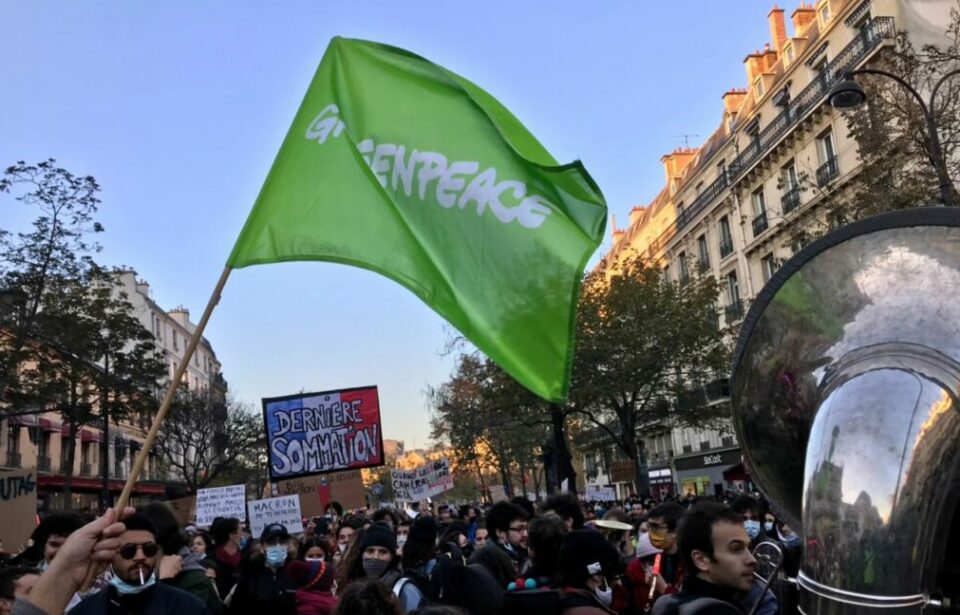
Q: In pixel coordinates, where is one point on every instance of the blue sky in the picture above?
(178, 108)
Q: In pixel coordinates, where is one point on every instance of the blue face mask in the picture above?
(244, 541)
(276, 556)
(753, 528)
(126, 589)
(768, 526)
(792, 541)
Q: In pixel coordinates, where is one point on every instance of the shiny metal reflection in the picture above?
(851, 355)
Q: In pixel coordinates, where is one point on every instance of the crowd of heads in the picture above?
(477, 559)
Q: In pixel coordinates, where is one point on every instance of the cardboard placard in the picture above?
(428, 480)
(284, 510)
(229, 501)
(18, 508)
(317, 491)
(318, 433)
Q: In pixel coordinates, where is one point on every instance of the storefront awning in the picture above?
(25, 420)
(48, 425)
(737, 472)
(89, 436)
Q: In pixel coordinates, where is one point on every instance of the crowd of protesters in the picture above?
(559, 555)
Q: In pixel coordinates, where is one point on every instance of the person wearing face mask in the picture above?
(662, 524)
(589, 568)
(227, 554)
(264, 584)
(749, 510)
(378, 560)
(133, 587)
(316, 588)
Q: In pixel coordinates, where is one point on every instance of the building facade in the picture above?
(41, 442)
(729, 208)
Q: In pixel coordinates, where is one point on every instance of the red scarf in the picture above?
(230, 559)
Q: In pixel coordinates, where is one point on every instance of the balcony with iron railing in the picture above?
(13, 459)
(790, 199)
(827, 171)
(760, 224)
(867, 40)
(733, 312)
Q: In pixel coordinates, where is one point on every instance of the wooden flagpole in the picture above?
(164, 408)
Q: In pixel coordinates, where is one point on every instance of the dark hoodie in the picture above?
(193, 579)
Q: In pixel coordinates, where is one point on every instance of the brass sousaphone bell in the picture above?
(844, 391)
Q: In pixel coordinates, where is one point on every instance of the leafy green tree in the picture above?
(646, 349)
(205, 438)
(59, 246)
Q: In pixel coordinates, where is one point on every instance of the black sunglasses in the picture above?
(129, 551)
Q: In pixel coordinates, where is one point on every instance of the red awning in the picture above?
(49, 425)
(95, 484)
(737, 472)
(89, 436)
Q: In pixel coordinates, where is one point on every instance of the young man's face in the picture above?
(137, 556)
(732, 564)
(481, 538)
(21, 589)
(516, 534)
(661, 536)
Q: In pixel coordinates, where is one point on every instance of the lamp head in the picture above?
(846, 94)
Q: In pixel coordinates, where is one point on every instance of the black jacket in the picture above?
(699, 597)
(159, 599)
(264, 591)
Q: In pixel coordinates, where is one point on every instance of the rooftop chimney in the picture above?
(769, 58)
(778, 31)
(732, 100)
(636, 213)
(676, 161)
(802, 18)
(143, 288)
(754, 65)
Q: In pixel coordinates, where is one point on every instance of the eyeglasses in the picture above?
(656, 527)
(129, 551)
(520, 529)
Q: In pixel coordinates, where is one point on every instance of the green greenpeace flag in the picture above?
(397, 165)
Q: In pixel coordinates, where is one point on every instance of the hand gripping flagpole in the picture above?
(162, 411)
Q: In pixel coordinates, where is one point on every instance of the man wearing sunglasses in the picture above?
(133, 584)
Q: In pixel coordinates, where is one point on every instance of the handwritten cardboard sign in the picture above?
(284, 510)
(317, 433)
(229, 501)
(428, 480)
(317, 491)
(18, 508)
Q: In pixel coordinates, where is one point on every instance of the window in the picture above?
(699, 188)
(758, 87)
(788, 176)
(176, 345)
(790, 186)
(788, 54)
(703, 252)
(680, 208)
(687, 448)
(733, 288)
(43, 444)
(13, 438)
(826, 153)
(684, 271)
(705, 445)
(726, 239)
(824, 13)
(722, 169)
(666, 274)
(759, 204)
(767, 267)
(819, 66)
(727, 441)
(825, 146)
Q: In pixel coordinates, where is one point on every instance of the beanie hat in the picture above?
(470, 587)
(315, 574)
(424, 529)
(585, 553)
(380, 535)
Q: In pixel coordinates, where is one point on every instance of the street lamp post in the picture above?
(848, 94)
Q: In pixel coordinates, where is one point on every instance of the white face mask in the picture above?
(605, 596)
(401, 540)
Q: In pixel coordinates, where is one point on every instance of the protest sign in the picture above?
(284, 510)
(317, 491)
(220, 502)
(602, 494)
(425, 482)
(317, 433)
(18, 508)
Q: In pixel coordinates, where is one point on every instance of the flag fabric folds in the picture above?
(399, 166)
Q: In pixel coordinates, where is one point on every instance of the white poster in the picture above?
(216, 502)
(284, 510)
(425, 482)
(600, 494)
